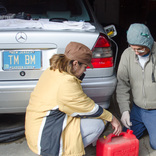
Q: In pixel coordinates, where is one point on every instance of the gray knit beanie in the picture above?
(139, 34)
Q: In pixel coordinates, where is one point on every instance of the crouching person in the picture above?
(60, 118)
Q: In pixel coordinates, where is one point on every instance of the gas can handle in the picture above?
(110, 136)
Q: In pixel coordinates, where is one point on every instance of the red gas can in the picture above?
(126, 144)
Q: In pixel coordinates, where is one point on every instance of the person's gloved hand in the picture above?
(125, 119)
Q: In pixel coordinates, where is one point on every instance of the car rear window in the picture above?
(71, 10)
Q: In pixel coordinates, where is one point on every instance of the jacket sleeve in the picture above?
(74, 102)
(123, 85)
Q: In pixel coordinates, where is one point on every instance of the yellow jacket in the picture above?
(56, 105)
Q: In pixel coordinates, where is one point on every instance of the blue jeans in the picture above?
(143, 120)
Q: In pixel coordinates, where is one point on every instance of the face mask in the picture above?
(145, 55)
(82, 76)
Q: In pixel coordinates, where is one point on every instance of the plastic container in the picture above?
(126, 144)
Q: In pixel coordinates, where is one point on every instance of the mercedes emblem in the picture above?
(21, 37)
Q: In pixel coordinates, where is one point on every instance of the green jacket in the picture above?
(132, 78)
(53, 115)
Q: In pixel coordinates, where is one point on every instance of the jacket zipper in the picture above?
(143, 75)
(143, 78)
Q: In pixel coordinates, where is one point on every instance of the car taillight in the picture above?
(102, 53)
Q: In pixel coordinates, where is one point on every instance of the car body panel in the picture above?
(19, 93)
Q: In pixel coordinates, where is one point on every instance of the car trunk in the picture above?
(46, 43)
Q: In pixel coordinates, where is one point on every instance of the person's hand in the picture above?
(125, 119)
(116, 126)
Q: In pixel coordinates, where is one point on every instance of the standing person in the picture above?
(137, 73)
(60, 118)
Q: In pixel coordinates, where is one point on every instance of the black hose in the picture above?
(12, 137)
(12, 134)
(11, 130)
(11, 140)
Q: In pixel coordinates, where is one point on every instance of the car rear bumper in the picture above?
(14, 95)
(100, 89)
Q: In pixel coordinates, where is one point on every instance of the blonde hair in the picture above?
(62, 63)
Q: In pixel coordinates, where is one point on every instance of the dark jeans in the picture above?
(143, 120)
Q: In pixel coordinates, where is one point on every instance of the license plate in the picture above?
(21, 59)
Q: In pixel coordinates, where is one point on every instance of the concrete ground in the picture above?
(20, 148)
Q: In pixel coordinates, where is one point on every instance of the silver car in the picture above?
(32, 31)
